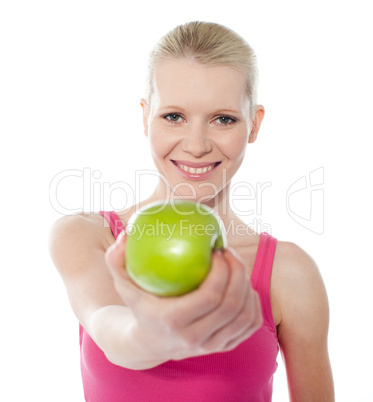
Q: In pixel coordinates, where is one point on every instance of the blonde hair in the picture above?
(210, 44)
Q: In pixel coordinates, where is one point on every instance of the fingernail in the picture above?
(231, 250)
(120, 236)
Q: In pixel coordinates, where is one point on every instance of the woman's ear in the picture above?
(145, 113)
(257, 121)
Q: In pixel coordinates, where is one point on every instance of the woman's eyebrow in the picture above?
(171, 107)
(216, 111)
(224, 110)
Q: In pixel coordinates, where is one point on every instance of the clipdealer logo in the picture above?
(305, 201)
(304, 198)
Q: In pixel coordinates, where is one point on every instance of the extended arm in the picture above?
(77, 246)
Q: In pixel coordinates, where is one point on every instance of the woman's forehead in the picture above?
(188, 81)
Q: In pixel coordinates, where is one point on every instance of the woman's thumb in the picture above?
(115, 254)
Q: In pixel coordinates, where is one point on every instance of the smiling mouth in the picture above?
(195, 170)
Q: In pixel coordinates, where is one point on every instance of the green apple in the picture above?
(169, 245)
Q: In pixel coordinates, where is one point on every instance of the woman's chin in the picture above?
(204, 198)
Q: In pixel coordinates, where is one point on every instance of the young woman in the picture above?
(219, 342)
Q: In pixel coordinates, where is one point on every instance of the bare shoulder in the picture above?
(74, 239)
(72, 231)
(304, 322)
(79, 221)
(296, 281)
(291, 258)
(77, 245)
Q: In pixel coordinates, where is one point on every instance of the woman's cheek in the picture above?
(161, 141)
(234, 146)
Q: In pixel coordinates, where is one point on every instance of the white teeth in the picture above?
(196, 171)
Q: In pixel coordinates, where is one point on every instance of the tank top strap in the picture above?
(261, 274)
(116, 225)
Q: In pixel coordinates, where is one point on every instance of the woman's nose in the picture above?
(196, 141)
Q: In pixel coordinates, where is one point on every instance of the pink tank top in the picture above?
(244, 374)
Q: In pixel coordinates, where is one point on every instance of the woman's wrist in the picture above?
(115, 331)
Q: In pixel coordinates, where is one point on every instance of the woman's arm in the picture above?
(303, 329)
(77, 246)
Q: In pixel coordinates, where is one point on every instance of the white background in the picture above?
(71, 77)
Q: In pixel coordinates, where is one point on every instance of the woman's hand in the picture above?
(219, 315)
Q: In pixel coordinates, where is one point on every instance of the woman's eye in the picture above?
(224, 120)
(221, 120)
(173, 117)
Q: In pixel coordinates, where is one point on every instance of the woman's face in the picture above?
(198, 125)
